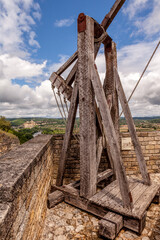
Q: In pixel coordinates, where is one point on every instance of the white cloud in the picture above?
(15, 67)
(64, 22)
(147, 23)
(135, 7)
(16, 23)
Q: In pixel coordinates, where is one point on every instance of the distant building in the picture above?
(29, 124)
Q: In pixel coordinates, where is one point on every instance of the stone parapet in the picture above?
(25, 180)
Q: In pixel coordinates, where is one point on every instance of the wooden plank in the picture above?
(110, 225)
(59, 83)
(104, 175)
(88, 166)
(67, 63)
(137, 225)
(55, 198)
(145, 200)
(71, 76)
(113, 12)
(132, 130)
(68, 134)
(111, 138)
(107, 229)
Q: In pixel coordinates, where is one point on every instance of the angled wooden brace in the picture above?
(131, 127)
(111, 138)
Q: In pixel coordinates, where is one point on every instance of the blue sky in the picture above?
(36, 37)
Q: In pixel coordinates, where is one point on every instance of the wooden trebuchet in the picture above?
(132, 130)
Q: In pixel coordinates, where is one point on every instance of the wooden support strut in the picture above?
(131, 127)
(88, 166)
(111, 138)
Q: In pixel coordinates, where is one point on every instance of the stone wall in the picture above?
(72, 172)
(150, 142)
(8, 142)
(25, 178)
(27, 173)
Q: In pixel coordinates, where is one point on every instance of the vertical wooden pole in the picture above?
(109, 83)
(88, 166)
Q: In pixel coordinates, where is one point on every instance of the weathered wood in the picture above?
(68, 134)
(99, 150)
(88, 166)
(55, 198)
(111, 138)
(71, 76)
(104, 175)
(132, 130)
(135, 224)
(107, 229)
(113, 12)
(110, 225)
(60, 84)
(156, 199)
(67, 63)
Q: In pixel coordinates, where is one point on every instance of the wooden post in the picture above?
(131, 127)
(109, 83)
(88, 166)
(111, 138)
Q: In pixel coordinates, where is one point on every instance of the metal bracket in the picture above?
(81, 22)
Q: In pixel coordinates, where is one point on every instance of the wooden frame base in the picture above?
(131, 220)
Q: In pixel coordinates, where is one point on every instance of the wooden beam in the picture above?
(110, 225)
(67, 63)
(68, 134)
(104, 175)
(99, 150)
(111, 138)
(132, 130)
(88, 166)
(71, 76)
(113, 12)
(55, 198)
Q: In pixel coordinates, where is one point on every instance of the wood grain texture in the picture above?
(132, 130)
(88, 166)
(111, 138)
(55, 198)
(67, 63)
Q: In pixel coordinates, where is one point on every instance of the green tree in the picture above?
(4, 124)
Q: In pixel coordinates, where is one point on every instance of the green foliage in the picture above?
(47, 131)
(4, 124)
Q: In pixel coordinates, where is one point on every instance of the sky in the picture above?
(37, 37)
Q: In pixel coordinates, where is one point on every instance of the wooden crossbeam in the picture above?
(132, 130)
(67, 63)
(111, 138)
(68, 134)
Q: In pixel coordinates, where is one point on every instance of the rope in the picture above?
(58, 106)
(62, 104)
(65, 101)
(102, 37)
(142, 74)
